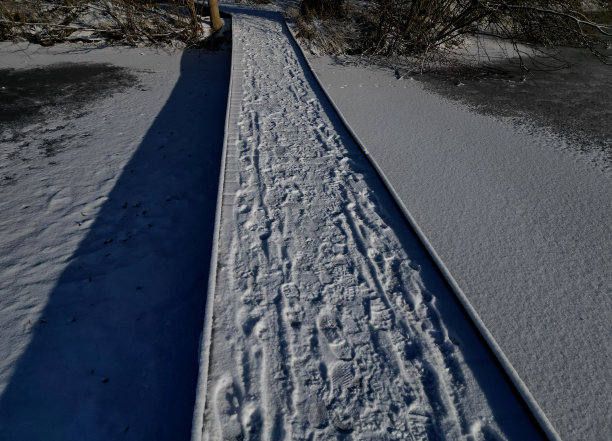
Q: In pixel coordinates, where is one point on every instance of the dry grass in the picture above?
(345, 34)
(604, 17)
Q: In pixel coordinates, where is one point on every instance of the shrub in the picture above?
(425, 27)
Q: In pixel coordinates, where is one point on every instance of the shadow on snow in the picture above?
(116, 356)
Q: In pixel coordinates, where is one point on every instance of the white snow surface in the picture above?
(519, 218)
(105, 247)
(329, 320)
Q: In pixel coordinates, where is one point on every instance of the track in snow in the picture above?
(323, 327)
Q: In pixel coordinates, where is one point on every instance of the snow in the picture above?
(329, 320)
(326, 318)
(521, 220)
(106, 240)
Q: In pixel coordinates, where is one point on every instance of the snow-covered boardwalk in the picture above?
(327, 320)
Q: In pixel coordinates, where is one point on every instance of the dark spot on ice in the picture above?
(29, 93)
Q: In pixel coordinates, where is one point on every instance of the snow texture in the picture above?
(105, 243)
(329, 321)
(521, 220)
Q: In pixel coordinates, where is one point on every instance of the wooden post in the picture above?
(215, 17)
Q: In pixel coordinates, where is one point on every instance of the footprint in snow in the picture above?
(227, 409)
(328, 326)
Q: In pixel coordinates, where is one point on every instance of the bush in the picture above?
(426, 27)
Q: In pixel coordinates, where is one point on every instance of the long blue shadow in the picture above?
(116, 356)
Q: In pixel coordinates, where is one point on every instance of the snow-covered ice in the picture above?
(329, 321)
(519, 217)
(105, 244)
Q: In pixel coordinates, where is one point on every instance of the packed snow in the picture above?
(108, 206)
(520, 218)
(329, 321)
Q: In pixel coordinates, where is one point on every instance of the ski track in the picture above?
(323, 328)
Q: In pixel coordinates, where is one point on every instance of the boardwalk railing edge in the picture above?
(205, 340)
(486, 335)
